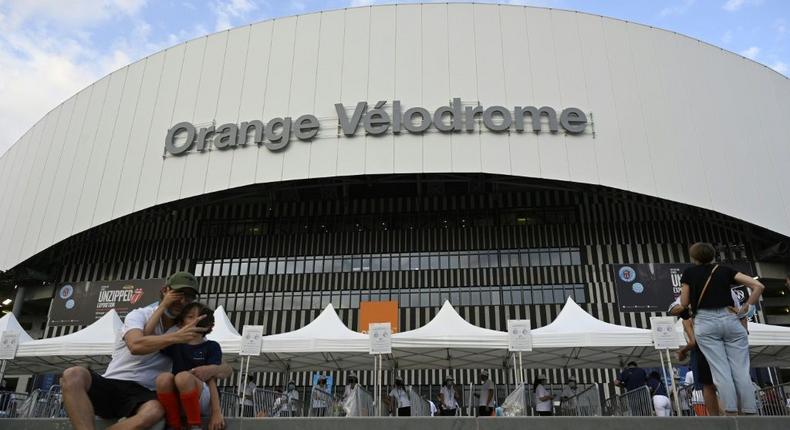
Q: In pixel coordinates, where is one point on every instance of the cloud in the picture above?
(726, 38)
(77, 13)
(735, 5)
(678, 9)
(229, 10)
(750, 52)
(781, 67)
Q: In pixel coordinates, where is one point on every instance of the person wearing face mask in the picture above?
(400, 399)
(289, 404)
(448, 398)
(320, 398)
(543, 398)
(569, 390)
(351, 384)
(486, 396)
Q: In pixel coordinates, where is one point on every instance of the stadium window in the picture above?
(414, 262)
(555, 258)
(576, 257)
(453, 261)
(375, 263)
(434, 261)
(385, 262)
(425, 261)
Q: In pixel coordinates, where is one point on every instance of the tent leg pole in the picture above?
(241, 370)
(521, 365)
(243, 383)
(674, 386)
(2, 370)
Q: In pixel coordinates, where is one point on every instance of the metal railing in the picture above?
(691, 401)
(519, 403)
(359, 403)
(268, 403)
(324, 404)
(635, 403)
(586, 403)
(11, 403)
(43, 404)
(774, 400)
(230, 404)
(419, 406)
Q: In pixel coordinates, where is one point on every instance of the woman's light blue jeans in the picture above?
(725, 343)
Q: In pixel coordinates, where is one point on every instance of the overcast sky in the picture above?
(50, 49)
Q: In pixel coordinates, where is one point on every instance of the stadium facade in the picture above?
(501, 157)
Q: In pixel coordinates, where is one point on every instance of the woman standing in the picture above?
(659, 391)
(722, 337)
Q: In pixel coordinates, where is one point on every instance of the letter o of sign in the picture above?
(170, 145)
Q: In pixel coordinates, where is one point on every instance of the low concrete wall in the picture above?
(462, 423)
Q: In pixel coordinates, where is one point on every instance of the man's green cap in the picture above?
(180, 280)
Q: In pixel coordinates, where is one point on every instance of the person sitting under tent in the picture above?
(126, 390)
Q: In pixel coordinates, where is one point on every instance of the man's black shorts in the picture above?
(113, 398)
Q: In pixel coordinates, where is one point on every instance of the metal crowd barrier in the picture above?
(11, 403)
(419, 406)
(324, 404)
(634, 403)
(359, 403)
(586, 403)
(519, 403)
(774, 400)
(43, 404)
(230, 404)
(268, 403)
(691, 401)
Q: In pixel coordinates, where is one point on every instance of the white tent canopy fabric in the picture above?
(91, 346)
(574, 339)
(9, 323)
(449, 341)
(324, 343)
(225, 333)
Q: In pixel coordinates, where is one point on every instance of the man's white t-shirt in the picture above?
(567, 392)
(545, 405)
(401, 397)
(488, 385)
(448, 397)
(142, 369)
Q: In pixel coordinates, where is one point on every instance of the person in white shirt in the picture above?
(486, 396)
(127, 387)
(569, 390)
(543, 398)
(249, 394)
(351, 384)
(401, 403)
(289, 401)
(448, 398)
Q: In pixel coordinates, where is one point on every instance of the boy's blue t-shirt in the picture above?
(187, 357)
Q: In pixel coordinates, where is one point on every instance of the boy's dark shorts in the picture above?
(114, 398)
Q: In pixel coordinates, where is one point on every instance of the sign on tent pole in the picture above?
(9, 341)
(519, 335)
(380, 336)
(251, 344)
(665, 338)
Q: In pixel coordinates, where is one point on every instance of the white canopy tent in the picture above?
(325, 343)
(769, 345)
(9, 323)
(91, 346)
(225, 333)
(576, 339)
(449, 341)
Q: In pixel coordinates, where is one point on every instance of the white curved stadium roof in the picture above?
(667, 116)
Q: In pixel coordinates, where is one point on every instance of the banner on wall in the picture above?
(82, 303)
(653, 286)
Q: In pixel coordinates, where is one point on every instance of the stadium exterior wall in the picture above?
(669, 116)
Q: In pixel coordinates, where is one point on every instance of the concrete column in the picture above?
(20, 297)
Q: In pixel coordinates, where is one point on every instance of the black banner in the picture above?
(82, 303)
(653, 287)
